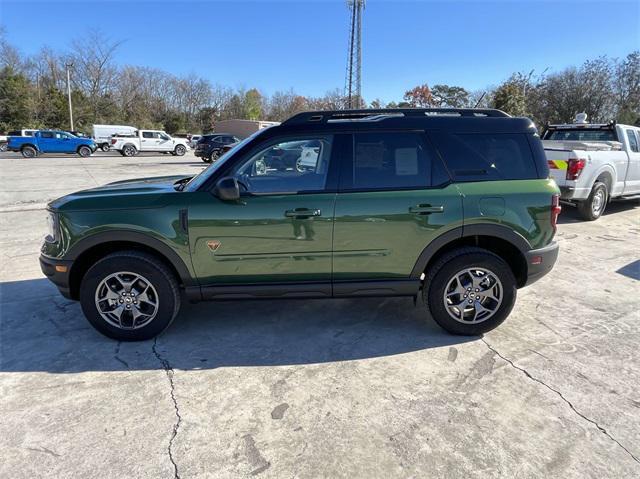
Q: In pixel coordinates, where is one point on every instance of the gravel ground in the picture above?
(343, 388)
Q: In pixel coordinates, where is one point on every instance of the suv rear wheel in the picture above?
(129, 296)
(470, 291)
(593, 207)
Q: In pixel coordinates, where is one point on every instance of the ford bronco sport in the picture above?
(453, 205)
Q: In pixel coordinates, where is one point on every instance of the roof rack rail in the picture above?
(338, 115)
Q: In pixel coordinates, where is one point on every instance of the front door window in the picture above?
(292, 166)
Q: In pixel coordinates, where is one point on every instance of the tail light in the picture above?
(113, 141)
(555, 211)
(575, 167)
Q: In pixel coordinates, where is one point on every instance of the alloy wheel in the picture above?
(126, 300)
(473, 295)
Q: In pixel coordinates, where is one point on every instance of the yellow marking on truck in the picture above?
(558, 164)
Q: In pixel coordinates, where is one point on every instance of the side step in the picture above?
(626, 198)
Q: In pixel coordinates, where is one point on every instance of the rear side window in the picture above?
(147, 134)
(392, 160)
(482, 157)
(633, 141)
(46, 134)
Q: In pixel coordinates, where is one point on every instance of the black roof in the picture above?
(478, 120)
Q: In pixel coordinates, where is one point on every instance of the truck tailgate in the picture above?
(558, 162)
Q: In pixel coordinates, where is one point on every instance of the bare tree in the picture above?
(95, 72)
(282, 105)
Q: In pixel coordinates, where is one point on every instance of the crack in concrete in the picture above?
(561, 396)
(169, 372)
(118, 358)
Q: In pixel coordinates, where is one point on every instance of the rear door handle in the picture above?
(302, 213)
(426, 209)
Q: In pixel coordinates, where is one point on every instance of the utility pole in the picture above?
(353, 82)
(69, 65)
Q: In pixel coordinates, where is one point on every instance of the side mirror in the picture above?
(227, 189)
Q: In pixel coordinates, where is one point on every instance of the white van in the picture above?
(102, 134)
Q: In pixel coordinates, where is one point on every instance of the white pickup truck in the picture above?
(593, 163)
(148, 140)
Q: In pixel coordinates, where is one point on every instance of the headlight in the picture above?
(52, 227)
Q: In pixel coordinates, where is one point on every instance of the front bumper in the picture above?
(540, 262)
(58, 272)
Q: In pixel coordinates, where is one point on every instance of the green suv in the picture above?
(454, 205)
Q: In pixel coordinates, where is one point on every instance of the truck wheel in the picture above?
(104, 147)
(593, 207)
(470, 291)
(29, 152)
(3, 147)
(129, 150)
(84, 151)
(129, 296)
(180, 150)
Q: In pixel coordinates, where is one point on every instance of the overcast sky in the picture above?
(303, 44)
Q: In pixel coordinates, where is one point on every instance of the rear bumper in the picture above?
(57, 271)
(573, 193)
(540, 262)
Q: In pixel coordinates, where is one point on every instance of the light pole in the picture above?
(69, 65)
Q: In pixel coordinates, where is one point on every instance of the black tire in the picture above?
(213, 157)
(446, 268)
(180, 150)
(105, 147)
(145, 265)
(84, 151)
(592, 208)
(129, 150)
(29, 152)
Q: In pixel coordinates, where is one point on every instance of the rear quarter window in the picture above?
(486, 157)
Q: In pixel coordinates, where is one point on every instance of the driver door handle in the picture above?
(426, 209)
(302, 213)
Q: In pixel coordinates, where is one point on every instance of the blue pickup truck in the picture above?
(51, 141)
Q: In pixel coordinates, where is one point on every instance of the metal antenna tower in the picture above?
(353, 82)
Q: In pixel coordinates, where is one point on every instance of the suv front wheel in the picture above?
(470, 291)
(129, 296)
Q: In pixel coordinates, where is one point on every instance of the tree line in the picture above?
(33, 93)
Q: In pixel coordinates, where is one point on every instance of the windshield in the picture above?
(201, 177)
(581, 134)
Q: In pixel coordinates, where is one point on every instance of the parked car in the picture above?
(51, 141)
(193, 140)
(149, 140)
(594, 163)
(102, 134)
(210, 147)
(457, 209)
